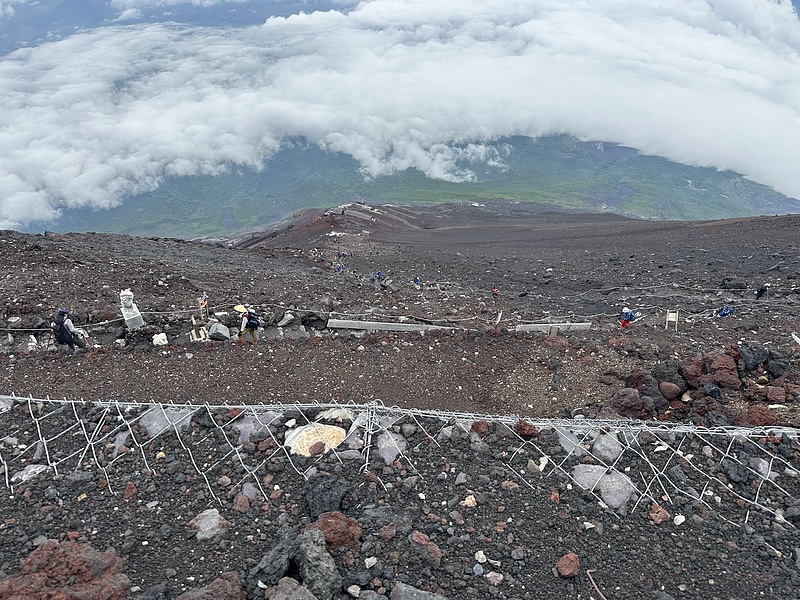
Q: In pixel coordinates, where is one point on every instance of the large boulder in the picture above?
(721, 370)
(219, 332)
(307, 553)
(68, 570)
(627, 403)
(753, 355)
(692, 369)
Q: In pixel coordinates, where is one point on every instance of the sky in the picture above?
(103, 103)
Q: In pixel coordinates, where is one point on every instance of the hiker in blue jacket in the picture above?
(628, 316)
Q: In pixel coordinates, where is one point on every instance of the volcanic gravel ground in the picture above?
(476, 499)
(549, 267)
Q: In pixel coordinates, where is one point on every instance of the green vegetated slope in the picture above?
(557, 170)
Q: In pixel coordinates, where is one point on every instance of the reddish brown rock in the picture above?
(658, 515)
(430, 549)
(754, 393)
(776, 395)
(557, 342)
(568, 565)
(130, 491)
(722, 370)
(757, 416)
(525, 429)
(67, 570)
(339, 530)
(693, 369)
(669, 390)
(480, 427)
(226, 587)
(317, 449)
(387, 532)
(241, 503)
(627, 403)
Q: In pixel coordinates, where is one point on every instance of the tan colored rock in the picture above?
(302, 439)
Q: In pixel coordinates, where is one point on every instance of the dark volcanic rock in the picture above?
(753, 355)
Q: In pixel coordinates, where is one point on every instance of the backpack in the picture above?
(253, 320)
(61, 333)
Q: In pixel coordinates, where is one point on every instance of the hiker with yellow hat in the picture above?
(250, 322)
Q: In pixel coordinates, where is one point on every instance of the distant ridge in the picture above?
(559, 171)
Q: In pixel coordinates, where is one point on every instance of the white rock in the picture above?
(494, 577)
(287, 318)
(28, 472)
(679, 520)
(160, 339)
(370, 562)
(390, 445)
(208, 524)
(480, 556)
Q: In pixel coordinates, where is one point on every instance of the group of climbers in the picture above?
(64, 331)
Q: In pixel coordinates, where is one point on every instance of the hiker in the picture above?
(724, 311)
(762, 290)
(65, 333)
(250, 324)
(495, 291)
(628, 316)
(417, 281)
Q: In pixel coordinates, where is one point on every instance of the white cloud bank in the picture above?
(111, 112)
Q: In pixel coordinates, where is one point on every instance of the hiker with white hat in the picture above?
(250, 322)
(628, 316)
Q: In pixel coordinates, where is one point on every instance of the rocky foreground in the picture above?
(221, 503)
(487, 496)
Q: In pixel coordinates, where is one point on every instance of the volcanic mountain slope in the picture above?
(549, 267)
(471, 507)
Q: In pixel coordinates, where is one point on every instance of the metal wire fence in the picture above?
(728, 471)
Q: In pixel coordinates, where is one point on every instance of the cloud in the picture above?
(137, 4)
(7, 7)
(397, 84)
(129, 14)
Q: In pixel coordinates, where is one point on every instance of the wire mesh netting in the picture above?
(626, 466)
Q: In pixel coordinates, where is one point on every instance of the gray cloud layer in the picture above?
(107, 113)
